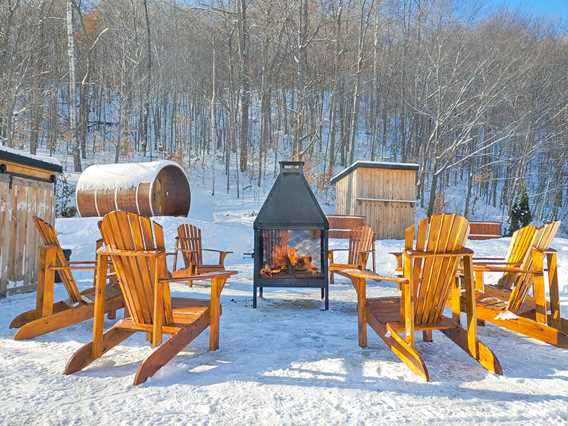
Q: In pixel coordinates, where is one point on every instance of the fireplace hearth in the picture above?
(290, 236)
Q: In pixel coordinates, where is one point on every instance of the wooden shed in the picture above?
(27, 188)
(155, 188)
(384, 193)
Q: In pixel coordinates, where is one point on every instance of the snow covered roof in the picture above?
(121, 175)
(374, 165)
(22, 157)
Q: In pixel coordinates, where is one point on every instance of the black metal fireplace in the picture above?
(290, 236)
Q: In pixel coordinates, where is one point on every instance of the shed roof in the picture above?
(38, 161)
(374, 165)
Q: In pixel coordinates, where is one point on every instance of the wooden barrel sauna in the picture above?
(156, 188)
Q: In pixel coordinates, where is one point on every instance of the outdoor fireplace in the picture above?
(290, 236)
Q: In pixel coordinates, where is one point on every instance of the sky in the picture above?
(551, 9)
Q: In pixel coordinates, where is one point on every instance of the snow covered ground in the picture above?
(287, 362)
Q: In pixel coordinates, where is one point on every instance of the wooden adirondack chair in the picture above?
(49, 316)
(188, 242)
(519, 249)
(137, 249)
(429, 277)
(360, 245)
(516, 309)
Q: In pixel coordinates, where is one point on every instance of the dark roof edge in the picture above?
(28, 161)
(373, 165)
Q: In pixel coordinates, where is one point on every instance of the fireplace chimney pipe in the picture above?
(292, 167)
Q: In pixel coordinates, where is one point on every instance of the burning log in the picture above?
(289, 259)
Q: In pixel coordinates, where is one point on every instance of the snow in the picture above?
(121, 175)
(44, 158)
(287, 362)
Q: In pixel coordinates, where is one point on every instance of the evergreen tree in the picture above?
(521, 212)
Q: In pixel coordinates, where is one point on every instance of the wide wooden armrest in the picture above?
(218, 251)
(483, 258)
(369, 275)
(498, 268)
(457, 253)
(550, 251)
(494, 262)
(105, 251)
(183, 275)
(71, 267)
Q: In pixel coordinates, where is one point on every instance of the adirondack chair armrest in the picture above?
(499, 268)
(457, 253)
(494, 262)
(487, 258)
(222, 254)
(550, 251)
(104, 251)
(368, 275)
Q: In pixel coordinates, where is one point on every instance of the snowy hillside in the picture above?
(287, 362)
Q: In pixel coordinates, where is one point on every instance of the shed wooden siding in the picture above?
(386, 197)
(19, 241)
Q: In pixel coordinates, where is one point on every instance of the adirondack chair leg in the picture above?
(58, 320)
(538, 287)
(483, 355)
(427, 335)
(361, 290)
(401, 348)
(24, 318)
(215, 312)
(111, 315)
(531, 328)
(84, 355)
(555, 320)
(29, 316)
(254, 295)
(46, 281)
(169, 349)
(261, 292)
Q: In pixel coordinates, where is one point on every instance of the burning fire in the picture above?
(290, 260)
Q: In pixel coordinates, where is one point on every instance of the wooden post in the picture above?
(46, 281)
(99, 309)
(408, 299)
(215, 312)
(551, 261)
(361, 289)
(479, 284)
(158, 313)
(470, 306)
(538, 289)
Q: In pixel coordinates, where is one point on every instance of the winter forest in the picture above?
(479, 100)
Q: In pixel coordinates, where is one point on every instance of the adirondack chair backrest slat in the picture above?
(130, 232)
(433, 276)
(360, 244)
(49, 237)
(519, 249)
(541, 241)
(189, 237)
